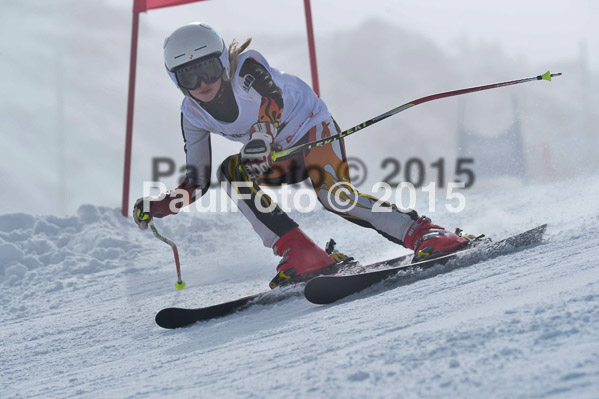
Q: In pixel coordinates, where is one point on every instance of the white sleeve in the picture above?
(198, 153)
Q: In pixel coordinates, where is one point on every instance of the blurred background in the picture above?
(64, 70)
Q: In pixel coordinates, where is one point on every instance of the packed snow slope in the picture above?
(79, 294)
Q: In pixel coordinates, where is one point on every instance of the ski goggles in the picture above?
(208, 70)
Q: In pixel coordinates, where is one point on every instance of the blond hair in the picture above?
(235, 50)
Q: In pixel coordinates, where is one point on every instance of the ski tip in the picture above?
(171, 318)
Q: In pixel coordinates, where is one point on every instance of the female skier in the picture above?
(237, 94)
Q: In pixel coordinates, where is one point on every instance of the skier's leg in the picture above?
(301, 256)
(270, 225)
(328, 169)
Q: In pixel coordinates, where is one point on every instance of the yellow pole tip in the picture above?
(180, 285)
(547, 76)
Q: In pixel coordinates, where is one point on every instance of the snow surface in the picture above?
(78, 296)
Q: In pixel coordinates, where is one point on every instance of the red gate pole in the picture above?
(130, 102)
(311, 47)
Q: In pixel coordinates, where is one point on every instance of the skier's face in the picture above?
(206, 92)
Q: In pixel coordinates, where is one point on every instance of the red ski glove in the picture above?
(160, 208)
(154, 208)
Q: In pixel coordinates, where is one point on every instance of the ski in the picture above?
(171, 318)
(328, 289)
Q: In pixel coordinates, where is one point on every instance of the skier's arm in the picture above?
(197, 181)
(198, 156)
(271, 104)
(256, 156)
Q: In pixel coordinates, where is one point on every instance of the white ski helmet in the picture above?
(192, 44)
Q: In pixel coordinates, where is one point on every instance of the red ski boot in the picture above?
(301, 258)
(428, 240)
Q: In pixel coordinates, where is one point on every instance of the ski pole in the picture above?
(319, 143)
(180, 284)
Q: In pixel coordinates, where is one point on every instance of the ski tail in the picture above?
(328, 289)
